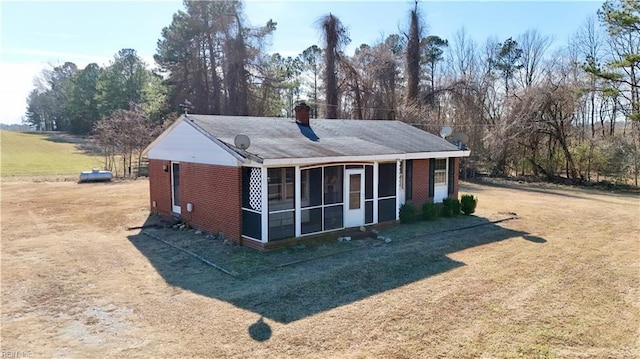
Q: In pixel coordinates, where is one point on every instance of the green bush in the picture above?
(430, 211)
(408, 213)
(450, 207)
(468, 204)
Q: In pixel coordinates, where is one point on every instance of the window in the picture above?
(440, 172)
(354, 191)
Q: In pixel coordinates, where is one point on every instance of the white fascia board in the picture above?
(250, 163)
(314, 160)
(439, 154)
(369, 158)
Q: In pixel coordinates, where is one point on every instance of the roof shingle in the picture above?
(283, 138)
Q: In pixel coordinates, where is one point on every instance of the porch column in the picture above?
(398, 175)
(265, 205)
(375, 192)
(296, 201)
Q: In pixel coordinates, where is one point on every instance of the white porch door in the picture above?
(175, 187)
(354, 197)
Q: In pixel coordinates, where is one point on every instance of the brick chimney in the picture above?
(302, 113)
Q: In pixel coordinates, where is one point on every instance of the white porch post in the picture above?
(265, 205)
(297, 195)
(398, 169)
(375, 192)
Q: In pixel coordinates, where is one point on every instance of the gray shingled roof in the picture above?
(280, 138)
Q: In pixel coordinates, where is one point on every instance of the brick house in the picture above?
(284, 178)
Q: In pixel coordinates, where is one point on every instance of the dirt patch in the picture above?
(559, 281)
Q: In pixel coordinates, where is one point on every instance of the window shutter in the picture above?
(432, 172)
(408, 187)
(452, 175)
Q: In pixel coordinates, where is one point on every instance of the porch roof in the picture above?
(283, 138)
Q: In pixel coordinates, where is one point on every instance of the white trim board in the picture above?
(279, 162)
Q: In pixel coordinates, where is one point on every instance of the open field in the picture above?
(36, 154)
(561, 280)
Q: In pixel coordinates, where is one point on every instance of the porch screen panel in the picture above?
(252, 224)
(281, 202)
(368, 212)
(368, 194)
(281, 225)
(387, 179)
(281, 188)
(333, 217)
(321, 199)
(333, 184)
(252, 202)
(387, 210)
(368, 182)
(311, 187)
(387, 175)
(311, 220)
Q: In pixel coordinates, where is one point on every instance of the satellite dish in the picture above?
(445, 131)
(460, 137)
(242, 142)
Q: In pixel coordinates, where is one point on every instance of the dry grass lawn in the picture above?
(54, 155)
(562, 280)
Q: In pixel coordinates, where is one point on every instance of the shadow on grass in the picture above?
(82, 143)
(541, 187)
(289, 293)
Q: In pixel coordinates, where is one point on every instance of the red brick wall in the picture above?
(420, 182)
(215, 192)
(160, 187)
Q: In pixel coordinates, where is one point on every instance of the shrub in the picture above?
(408, 213)
(450, 207)
(468, 204)
(430, 211)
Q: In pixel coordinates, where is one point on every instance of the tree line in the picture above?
(525, 107)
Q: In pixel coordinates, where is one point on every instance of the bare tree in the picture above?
(533, 46)
(335, 37)
(413, 57)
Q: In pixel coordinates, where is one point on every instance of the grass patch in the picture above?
(34, 154)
